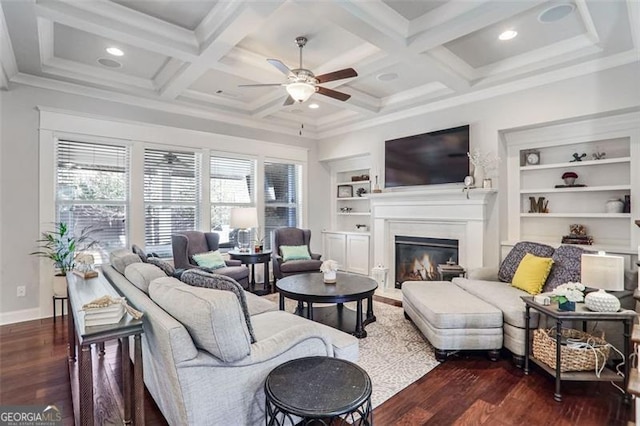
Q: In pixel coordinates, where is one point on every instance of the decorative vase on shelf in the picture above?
(486, 183)
(567, 306)
(614, 206)
(601, 301)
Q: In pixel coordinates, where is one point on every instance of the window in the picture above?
(171, 197)
(232, 185)
(282, 188)
(92, 190)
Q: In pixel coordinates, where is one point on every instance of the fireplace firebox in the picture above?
(417, 258)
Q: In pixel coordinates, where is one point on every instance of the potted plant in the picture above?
(567, 295)
(60, 246)
(569, 178)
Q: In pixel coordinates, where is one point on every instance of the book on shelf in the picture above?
(91, 321)
(85, 274)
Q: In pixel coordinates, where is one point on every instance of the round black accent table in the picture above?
(311, 288)
(321, 390)
(252, 258)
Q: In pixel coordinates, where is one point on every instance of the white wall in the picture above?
(20, 174)
(607, 91)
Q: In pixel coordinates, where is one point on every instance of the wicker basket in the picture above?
(571, 359)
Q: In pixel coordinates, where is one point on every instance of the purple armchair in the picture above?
(292, 237)
(188, 243)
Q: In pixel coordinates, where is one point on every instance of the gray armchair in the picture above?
(188, 243)
(292, 237)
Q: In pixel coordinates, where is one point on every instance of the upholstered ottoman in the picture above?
(452, 319)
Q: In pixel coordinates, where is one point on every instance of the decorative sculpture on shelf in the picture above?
(538, 205)
(578, 157)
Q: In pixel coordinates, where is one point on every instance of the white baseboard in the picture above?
(19, 316)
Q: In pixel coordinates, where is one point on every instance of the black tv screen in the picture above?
(427, 159)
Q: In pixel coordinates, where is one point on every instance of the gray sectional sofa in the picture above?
(200, 364)
(471, 324)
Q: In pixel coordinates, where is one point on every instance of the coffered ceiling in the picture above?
(190, 56)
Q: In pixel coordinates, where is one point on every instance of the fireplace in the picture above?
(417, 258)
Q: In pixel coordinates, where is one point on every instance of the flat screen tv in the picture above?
(427, 159)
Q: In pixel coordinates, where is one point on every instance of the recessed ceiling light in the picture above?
(508, 35)
(556, 12)
(387, 76)
(314, 106)
(114, 51)
(109, 63)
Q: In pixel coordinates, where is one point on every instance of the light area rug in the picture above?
(394, 353)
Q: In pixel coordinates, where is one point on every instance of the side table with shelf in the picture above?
(582, 314)
(252, 258)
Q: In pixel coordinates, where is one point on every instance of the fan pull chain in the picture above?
(301, 129)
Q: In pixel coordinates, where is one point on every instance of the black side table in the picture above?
(320, 390)
(251, 258)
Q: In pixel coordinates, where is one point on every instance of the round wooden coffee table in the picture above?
(310, 289)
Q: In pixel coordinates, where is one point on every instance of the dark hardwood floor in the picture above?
(468, 389)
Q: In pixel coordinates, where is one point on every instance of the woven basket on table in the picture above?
(571, 359)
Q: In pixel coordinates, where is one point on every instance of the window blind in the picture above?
(232, 185)
(282, 186)
(171, 196)
(92, 190)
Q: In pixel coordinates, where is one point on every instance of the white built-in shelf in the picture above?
(577, 164)
(593, 247)
(354, 214)
(584, 215)
(351, 198)
(353, 182)
(578, 189)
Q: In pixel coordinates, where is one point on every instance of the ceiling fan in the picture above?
(302, 83)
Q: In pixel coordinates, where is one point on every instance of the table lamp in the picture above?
(604, 272)
(243, 219)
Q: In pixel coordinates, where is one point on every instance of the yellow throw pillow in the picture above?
(532, 273)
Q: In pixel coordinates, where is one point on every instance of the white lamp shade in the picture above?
(300, 92)
(244, 218)
(602, 271)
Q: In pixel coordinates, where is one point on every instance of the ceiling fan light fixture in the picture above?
(300, 92)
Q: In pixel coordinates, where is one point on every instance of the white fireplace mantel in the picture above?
(431, 213)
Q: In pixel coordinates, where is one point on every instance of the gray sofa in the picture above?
(203, 369)
(490, 287)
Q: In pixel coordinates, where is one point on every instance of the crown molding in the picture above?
(541, 79)
(173, 106)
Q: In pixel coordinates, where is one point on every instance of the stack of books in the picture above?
(111, 314)
(450, 268)
(577, 239)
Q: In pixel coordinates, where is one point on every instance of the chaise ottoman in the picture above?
(451, 318)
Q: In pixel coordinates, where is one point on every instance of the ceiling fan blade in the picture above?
(282, 67)
(337, 75)
(332, 93)
(260, 85)
(288, 101)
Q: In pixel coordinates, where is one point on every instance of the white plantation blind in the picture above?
(171, 196)
(92, 190)
(282, 188)
(232, 183)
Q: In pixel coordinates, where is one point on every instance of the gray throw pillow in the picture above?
(166, 267)
(199, 278)
(122, 258)
(511, 262)
(137, 250)
(567, 263)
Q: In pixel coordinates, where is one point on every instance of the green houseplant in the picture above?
(60, 246)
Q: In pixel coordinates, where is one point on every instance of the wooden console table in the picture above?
(83, 291)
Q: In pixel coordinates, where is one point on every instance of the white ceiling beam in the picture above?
(442, 14)
(633, 7)
(484, 15)
(225, 38)
(585, 15)
(8, 66)
(141, 36)
(378, 14)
